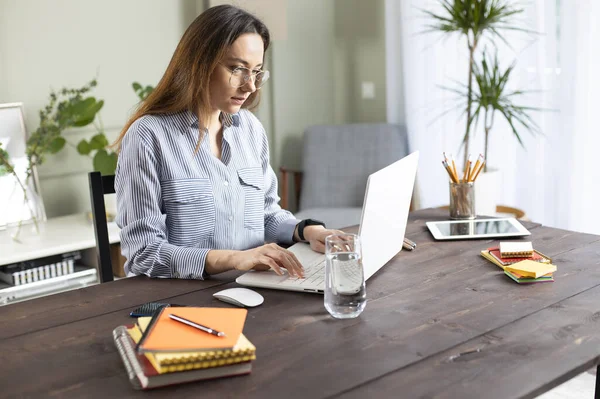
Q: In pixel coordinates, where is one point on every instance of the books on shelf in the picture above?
(155, 363)
(39, 269)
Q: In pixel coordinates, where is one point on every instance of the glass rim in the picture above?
(334, 237)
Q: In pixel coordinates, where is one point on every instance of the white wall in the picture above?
(58, 43)
(303, 89)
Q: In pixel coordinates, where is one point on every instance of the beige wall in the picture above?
(318, 63)
(359, 56)
(331, 48)
(303, 89)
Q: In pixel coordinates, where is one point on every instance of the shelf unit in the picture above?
(57, 236)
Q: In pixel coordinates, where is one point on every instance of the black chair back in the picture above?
(100, 185)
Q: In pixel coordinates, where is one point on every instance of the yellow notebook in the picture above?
(168, 362)
(486, 254)
(529, 268)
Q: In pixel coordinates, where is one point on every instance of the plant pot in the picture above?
(487, 191)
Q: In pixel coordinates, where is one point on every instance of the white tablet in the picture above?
(477, 228)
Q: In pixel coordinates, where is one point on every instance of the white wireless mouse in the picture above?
(242, 297)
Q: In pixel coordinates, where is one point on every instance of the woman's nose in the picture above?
(250, 86)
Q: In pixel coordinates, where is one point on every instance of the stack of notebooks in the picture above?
(159, 351)
(521, 262)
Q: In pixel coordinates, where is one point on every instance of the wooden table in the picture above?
(440, 322)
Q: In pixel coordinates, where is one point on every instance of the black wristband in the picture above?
(307, 222)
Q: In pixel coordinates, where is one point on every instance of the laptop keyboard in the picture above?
(314, 274)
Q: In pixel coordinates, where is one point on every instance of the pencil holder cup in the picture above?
(462, 200)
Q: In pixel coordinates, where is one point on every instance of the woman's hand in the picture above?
(269, 256)
(316, 236)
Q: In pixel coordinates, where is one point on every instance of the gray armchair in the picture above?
(337, 160)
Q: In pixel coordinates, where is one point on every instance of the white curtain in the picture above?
(554, 178)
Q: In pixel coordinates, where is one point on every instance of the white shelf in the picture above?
(81, 278)
(57, 236)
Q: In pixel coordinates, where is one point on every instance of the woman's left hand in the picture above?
(316, 236)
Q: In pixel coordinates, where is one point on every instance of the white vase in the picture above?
(22, 207)
(487, 192)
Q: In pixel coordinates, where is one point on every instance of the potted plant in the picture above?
(485, 92)
(475, 20)
(67, 108)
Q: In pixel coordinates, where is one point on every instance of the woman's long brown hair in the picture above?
(185, 84)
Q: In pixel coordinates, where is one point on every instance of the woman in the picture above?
(195, 192)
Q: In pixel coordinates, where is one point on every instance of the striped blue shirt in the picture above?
(175, 205)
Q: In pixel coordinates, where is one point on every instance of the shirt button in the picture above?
(226, 183)
(230, 218)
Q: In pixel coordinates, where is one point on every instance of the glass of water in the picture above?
(345, 293)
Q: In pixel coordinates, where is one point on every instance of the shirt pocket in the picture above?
(190, 208)
(252, 182)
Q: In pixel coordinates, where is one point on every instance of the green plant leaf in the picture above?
(5, 165)
(56, 145)
(98, 142)
(136, 86)
(84, 147)
(86, 111)
(105, 163)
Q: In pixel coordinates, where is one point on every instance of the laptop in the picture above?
(382, 227)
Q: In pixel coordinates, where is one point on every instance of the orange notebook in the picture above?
(167, 335)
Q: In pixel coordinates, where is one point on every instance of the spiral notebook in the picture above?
(516, 249)
(143, 375)
(168, 362)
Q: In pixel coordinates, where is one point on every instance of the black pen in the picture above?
(196, 325)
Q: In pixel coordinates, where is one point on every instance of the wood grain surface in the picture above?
(440, 321)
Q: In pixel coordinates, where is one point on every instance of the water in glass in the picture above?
(345, 292)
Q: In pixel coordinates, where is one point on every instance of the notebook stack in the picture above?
(528, 272)
(521, 262)
(160, 351)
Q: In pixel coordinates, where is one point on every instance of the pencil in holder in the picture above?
(462, 200)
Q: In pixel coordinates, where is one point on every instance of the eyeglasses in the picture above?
(241, 75)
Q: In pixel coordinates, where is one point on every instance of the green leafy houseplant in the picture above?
(494, 97)
(5, 165)
(104, 159)
(67, 108)
(142, 92)
(474, 19)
